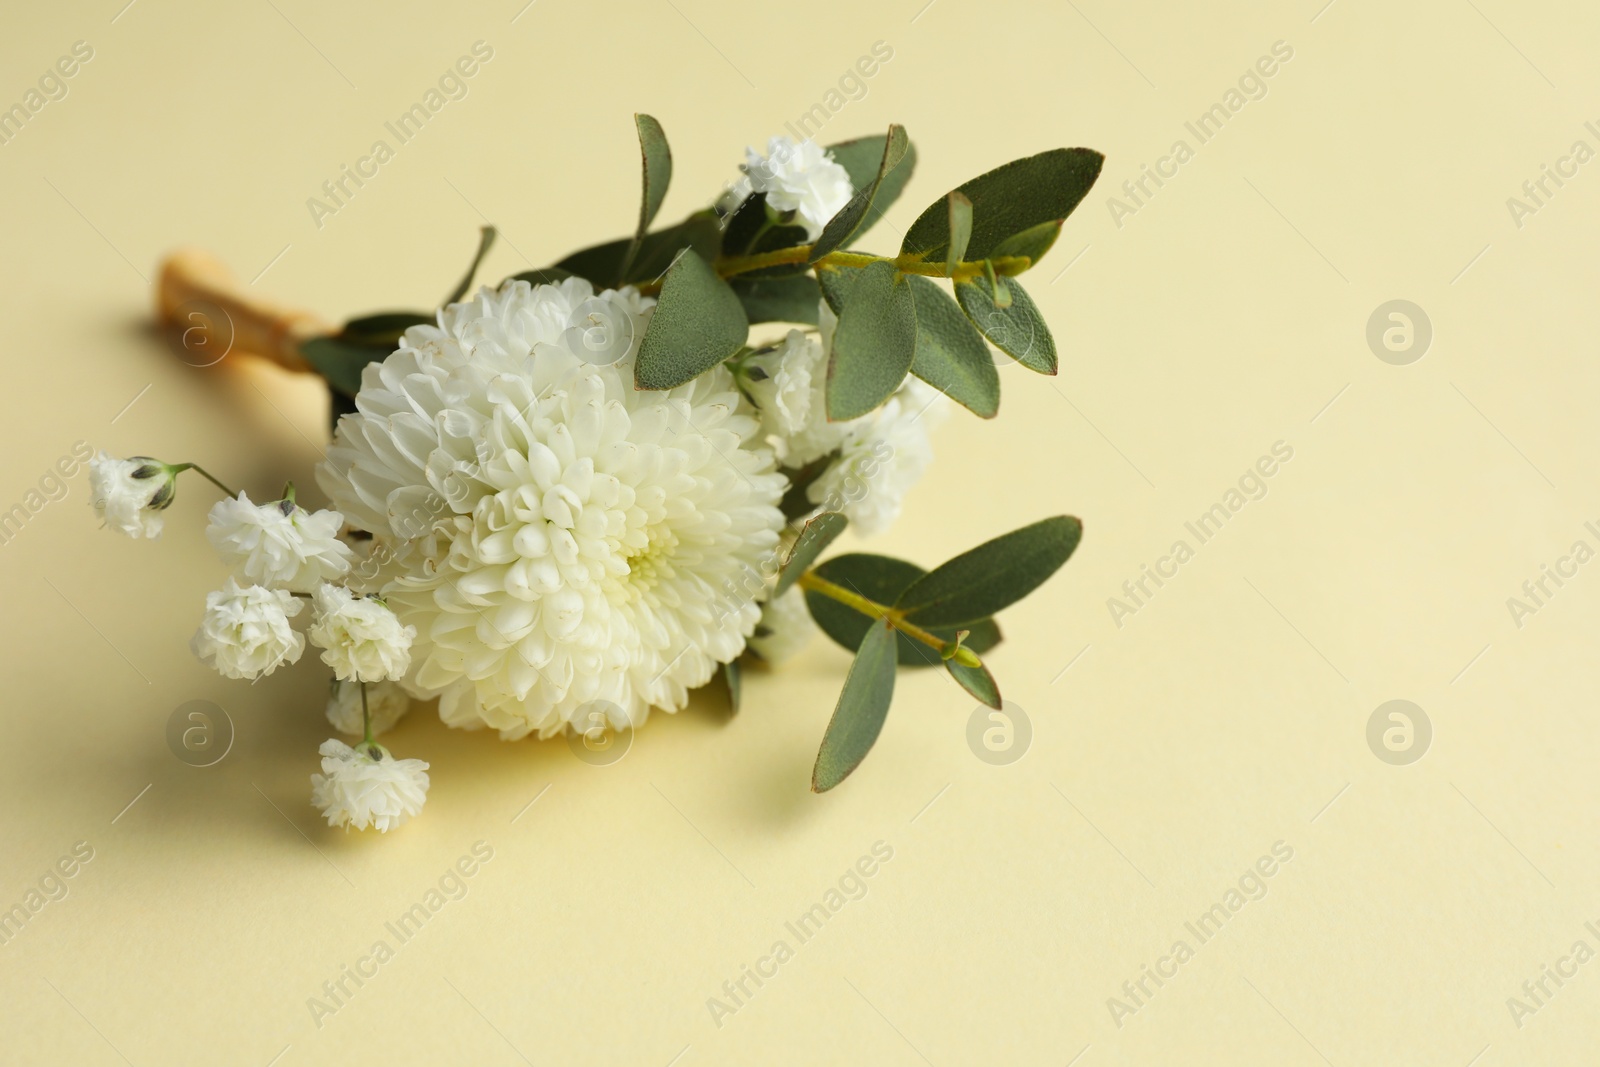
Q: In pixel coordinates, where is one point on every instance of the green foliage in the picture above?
(977, 681)
(1017, 328)
(863, 705)
(791, 299)
(340, 362)
(486, 236)
(960, 230)
(733, 677)
(996, 574)
(862, 159)
(951, 355)
(656, 160)
(817, 535)
(874, 345)
(1024, 195)
(853, 216)
(543, 276)
(382, 329)
(755, 227)
(697, 324)
(602, 265)
(882, 579)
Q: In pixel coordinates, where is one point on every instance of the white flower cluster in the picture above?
(801, 178)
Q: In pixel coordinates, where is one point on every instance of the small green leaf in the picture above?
(1033, 243)
(863, 705)
(977, 681)
(883, 579)
(486, 238)
(656, 158)
(817, 535)
(731, 674)
(951, 355)
(1017, 329)
(862, 158)
(874, 345)
(383, 329)
(601, 265)
(850, 219)
(996, 574)
(1021, 196)
(836, 284)
(698, 322)
(341, 362)
(791, 299)
(960, 230)
(755, 227)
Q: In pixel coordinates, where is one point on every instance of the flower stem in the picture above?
(181, 467)
(366, 719)
(730, 266)
(871, 608)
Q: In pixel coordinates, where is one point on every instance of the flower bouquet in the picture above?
(565, 500)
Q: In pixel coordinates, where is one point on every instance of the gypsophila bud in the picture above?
(245, 632)
(361, 638)
(130, 494)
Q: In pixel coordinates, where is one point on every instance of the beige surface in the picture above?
(1228, 714)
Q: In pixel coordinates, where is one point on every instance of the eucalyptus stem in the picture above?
(207, 475)
(872, 609)
(732, 266)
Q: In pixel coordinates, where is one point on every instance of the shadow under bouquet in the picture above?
(565, 500)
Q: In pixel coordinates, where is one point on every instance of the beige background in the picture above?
(1227, 314)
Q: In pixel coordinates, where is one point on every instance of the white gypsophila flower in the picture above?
(801, 178)
(366, 786)
(785, 628)
(130, 494)
(387, 704)
(881, 458)
(278, 544)
(594, 546)
(360, 638)
(780, 383)
(880, 455)
(245, 632)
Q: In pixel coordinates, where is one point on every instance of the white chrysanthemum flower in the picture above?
(279, 544)
(387, 704)
(798, 177)
(880, 455)
(245, 632)
(593, 545)
(785, 627)
(130, 494)
(360, 638)
(367, 786)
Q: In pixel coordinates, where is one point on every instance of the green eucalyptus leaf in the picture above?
(698, 322)
(836, 283)
(486, 236)
(383, 329)
(755, 227)
(862, 159)
(601, 265)
(1017, 329)
(996, 574)
(340, 362)
(960, 230)
(1033, 243)
(859, 715)
(977, 681)
(883, 579)
(791, 299)
(851, 218)
(817, 535)
(951, 355)
(1020, 196)
(656, 159)
(874, 344)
